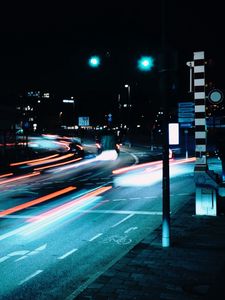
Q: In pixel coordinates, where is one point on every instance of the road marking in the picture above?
(35, 251)
(67, 254)
(135, 198)
(15, 253)
(130, 229)
(31, 276)
(123, 220)
(122, 199)
(123, 212)
(95, 237)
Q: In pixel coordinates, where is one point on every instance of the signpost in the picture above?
(186, 119)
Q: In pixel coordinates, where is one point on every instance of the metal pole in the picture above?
(165, 142)
(186, 143)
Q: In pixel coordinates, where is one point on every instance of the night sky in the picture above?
(46, 47)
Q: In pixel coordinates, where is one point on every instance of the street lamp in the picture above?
(128, 90)
(146, 63)
(94, 61)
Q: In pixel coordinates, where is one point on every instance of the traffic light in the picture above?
(146, 63)
(94, 61)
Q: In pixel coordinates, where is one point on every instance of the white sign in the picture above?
(173, 133)
(83, 121)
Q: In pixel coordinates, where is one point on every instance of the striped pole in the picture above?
(200, 111)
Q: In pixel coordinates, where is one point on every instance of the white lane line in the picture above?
(34, 252)
(95, 237)
(67, 254)
(130, 229)
(150, 197)
(31, 276)
(123, 220)
(122, 199)
(123, 212)
(15, 253)
(135, 198)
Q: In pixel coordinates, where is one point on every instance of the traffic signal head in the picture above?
(145, 63)
(94, 61)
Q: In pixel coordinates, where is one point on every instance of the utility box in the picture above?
(206, 193)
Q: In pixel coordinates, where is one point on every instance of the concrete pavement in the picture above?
(193, 267)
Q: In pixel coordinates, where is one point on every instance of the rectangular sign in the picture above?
(173, 134)
(83, 121)
(186, 115)
(185, 104)
(185, 120)
(186, 125)
(186, 109)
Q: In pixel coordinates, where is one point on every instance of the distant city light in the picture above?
(68, 101)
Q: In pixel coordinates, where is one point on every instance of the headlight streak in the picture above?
(76, 165)
(20, 177)
(64, 210)
(48, 220)
(130, 168)
(107, 155)
(36, 201)
(141, 178)
(80, 198)
(33, 160)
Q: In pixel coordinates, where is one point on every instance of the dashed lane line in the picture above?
(123, 220)
(95, 237)
(31, 276)
(67, 254)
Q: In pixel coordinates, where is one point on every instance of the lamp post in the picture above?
(127, 86)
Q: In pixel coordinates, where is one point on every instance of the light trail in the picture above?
(20, 177)
(57, 165)
(6, 175)
(51, 160)
(64, 207)
(130, 168)
(33, 160)
(36, 201)
(149, 164)
(62, 211)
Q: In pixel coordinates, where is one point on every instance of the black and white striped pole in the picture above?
(205, 181)
(200, 111)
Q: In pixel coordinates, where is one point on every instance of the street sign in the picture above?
(185, 120)
(186, 109)
(186, 125)
(83, 121)
(186, 115)
(185, 104)
(215, 96)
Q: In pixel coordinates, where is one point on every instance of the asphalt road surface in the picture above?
(63, 227)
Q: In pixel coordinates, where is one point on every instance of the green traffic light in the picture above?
(145, 63)
(94, 61)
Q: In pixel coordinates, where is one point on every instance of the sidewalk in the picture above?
(193, 267)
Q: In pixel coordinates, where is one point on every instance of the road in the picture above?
(63, 227)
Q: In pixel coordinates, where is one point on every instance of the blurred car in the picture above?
(107, 142)
(76, 148)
